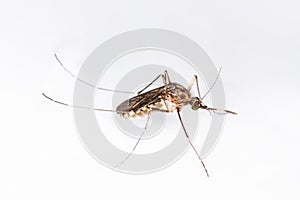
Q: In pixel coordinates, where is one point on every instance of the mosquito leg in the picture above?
(167, 78)
(85, 82)
(191, 83)
(163, 78)
(195, 78)
(76, 106)
(147, 122)
(187, 136)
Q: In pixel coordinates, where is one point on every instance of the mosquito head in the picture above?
(196, 103)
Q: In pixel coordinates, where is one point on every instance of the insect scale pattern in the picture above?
(168, 98)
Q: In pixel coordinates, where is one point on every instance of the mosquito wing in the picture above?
(141, 100)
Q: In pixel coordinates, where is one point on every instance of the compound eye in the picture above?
(195, 105)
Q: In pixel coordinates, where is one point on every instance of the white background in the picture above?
(256, 42)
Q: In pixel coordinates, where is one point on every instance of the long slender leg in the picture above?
(85, 82)
(138, 141)
(187, 136)
(82, 107)
(163, 78)
(167, 81)
(195, 78)
(167, 78)
(191, 83)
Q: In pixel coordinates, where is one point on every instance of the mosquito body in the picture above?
(168, 98)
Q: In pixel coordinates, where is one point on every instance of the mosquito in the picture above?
(170, 97)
